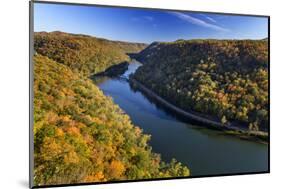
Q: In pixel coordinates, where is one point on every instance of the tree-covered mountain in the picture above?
(83, 53)
(80, 135)
(225, 80)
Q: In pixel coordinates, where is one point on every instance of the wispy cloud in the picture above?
(211, 19)
(199, 22)
(208, 18)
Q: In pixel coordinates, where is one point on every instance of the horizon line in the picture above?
(117, 40)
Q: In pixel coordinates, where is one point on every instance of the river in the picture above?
(204, 151)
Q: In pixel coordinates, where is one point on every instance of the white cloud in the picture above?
(210, 19)
(198, 22)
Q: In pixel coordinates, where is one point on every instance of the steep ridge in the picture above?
(224, 80)
(80, 135)
(82, 53)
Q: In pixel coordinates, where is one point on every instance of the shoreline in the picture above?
(243, 133)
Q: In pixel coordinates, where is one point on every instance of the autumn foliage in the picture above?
(82, 53)
(80, 135)
(225, 80)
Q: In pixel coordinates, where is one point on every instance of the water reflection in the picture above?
(204, 151)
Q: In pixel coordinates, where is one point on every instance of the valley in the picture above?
(94, 120)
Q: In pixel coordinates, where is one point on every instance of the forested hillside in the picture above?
(223, 79)
(83, 53)
(80, 135)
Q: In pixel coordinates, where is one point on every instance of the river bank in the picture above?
(230, 129)
(114, 71)
(172, 136)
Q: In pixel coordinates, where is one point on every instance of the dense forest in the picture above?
(83, 53)
(80, 135)
(225, 80)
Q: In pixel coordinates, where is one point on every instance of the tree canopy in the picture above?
(80, 135)
(82, 53)
(224, 79)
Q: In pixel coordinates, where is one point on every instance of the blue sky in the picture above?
(144, 25)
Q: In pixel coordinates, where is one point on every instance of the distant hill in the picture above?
(83, 53)
(224, 79)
